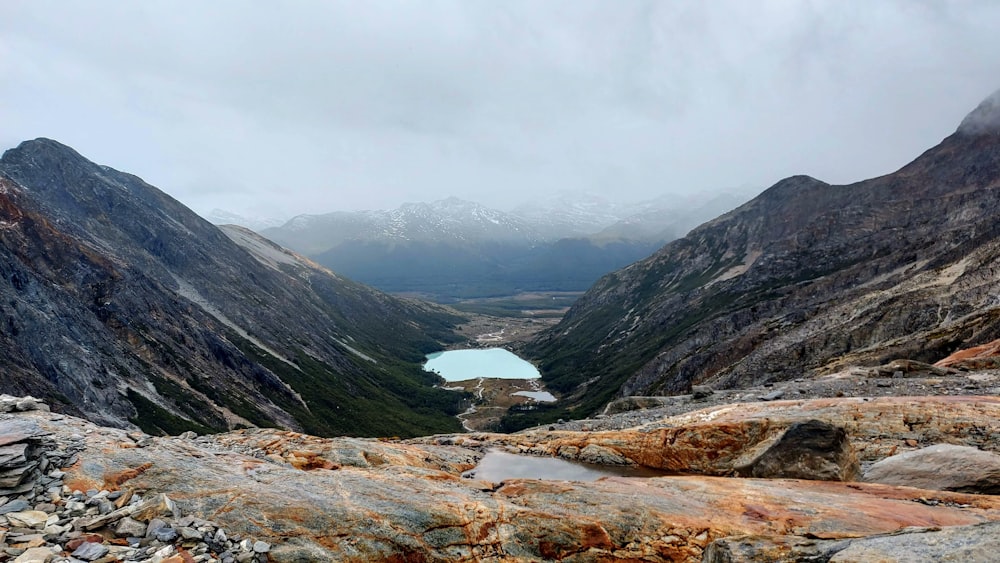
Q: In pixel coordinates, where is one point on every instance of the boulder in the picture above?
(975, 543)
(738, 434)
(959, 544)
(941, 467)
(807, 450)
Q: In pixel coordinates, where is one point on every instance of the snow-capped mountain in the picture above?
(572, 214)
(450, 220)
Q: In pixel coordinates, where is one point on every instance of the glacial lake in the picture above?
(494, 363)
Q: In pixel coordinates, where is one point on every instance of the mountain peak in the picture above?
(36, 146)
(985, 119)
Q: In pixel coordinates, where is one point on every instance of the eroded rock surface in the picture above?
(303, 498)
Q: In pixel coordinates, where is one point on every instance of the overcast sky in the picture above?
(279, 108)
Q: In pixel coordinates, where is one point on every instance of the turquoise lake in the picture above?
(495, 363)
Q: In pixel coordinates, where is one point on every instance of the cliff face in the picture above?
(123, 305)
(806, 277)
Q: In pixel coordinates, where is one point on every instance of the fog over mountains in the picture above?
(454, 248)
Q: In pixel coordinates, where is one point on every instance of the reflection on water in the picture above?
(497, 466)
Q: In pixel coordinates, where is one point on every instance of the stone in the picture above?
(187, 533)
(100, 520)
(13, 455)
(157, 506)
(261, 547)
(774, 549)
(957, 544)
(773, 395)
(700, 392)
(130, 527)
(154, 525)
(35, 555)
(807, 450)
(18, 429)
(165, 534)
(15, 506)
(28, 519)
(89, 551)
(941, 467)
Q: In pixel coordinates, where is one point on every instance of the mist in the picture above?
(276, 110)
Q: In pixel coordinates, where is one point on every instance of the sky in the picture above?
(273, 109)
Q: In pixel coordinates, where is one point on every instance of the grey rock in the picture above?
(773, 549)
(699, 392)
(18, 429)
(813, 449)
(187, 533)
(261, 547)
(165, 534)
(89, 551)
(941, 467)
(15, 506)
(129, 527)
(154, 525)
(773, 395)
(958, 544)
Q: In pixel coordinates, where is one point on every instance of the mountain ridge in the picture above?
(126, 306)
(804, 278)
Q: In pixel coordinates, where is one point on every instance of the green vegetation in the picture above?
(153, 419)
(541, 305)
(389, 401)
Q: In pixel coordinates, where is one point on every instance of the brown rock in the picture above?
(986, 356)
(391, 510)
(720, 440)
(942, 467)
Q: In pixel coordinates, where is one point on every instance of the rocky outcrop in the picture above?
(123, 305)
(985, 356)
(807, 278)
(303, 498)
(978, 542)
(942, 467)
(813, 439)
(43, 519)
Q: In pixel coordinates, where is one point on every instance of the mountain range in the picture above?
(805, 279)
(455, 248)
(121, 304)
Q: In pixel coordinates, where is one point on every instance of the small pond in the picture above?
(497, 466)
(494, 363)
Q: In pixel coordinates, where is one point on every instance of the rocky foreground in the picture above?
(816, 480)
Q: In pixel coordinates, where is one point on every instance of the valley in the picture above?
(500, 282)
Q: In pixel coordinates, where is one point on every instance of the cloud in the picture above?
(342, 105)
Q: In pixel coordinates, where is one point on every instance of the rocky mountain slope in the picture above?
(804, 279)
(123, 305)
(759, 482)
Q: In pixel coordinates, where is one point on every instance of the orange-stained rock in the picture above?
(396, 502)
(986, 356)
(720, 440)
